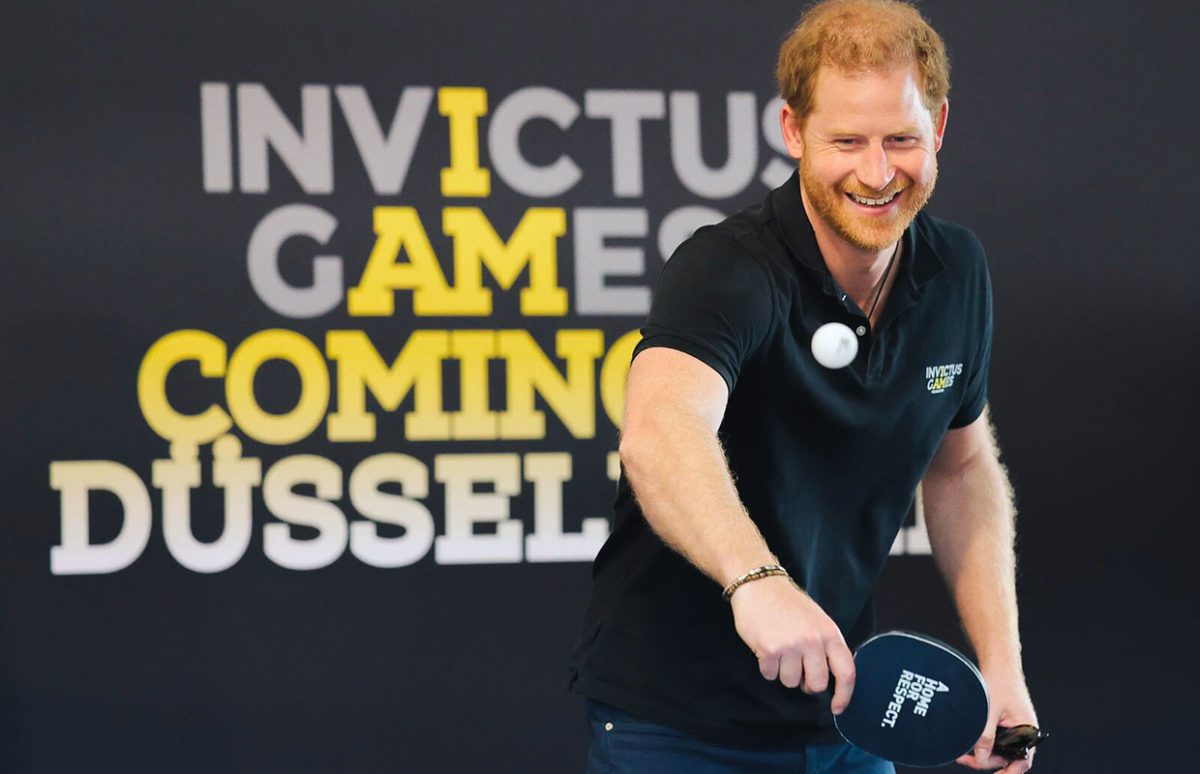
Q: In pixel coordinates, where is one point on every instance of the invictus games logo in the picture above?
(918, 689)
(513, 321)
(940, 378)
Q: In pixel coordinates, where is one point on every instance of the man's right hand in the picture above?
(793, 638)
(674, 406)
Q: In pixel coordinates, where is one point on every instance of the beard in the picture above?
(832, 206)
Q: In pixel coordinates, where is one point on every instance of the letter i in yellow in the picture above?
(463, 106)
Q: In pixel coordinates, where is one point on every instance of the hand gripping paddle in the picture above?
(916, 701)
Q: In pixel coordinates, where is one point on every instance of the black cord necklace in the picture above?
(882, 282)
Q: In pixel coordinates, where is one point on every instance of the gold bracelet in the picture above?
(757, 573)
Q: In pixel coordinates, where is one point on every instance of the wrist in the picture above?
(735, 564)
(754, 574)
(1002, 665)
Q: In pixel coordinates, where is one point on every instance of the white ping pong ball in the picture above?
(834, 345)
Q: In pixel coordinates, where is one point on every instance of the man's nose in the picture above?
(874, 169)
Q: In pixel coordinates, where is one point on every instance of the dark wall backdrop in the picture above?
(1071, 150)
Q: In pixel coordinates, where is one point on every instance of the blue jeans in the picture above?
(622, 743)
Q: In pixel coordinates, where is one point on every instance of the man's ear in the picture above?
(790, 126)
(939, 130)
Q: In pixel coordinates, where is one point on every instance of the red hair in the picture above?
(857, 35)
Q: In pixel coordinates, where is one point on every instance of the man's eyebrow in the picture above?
(839, 132)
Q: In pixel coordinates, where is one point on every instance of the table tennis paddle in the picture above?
(916, 701)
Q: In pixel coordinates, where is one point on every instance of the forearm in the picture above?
(679, 475)
(969, 515)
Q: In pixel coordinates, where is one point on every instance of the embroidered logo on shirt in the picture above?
(940, 378)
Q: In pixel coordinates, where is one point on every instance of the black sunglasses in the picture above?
(1015, 742)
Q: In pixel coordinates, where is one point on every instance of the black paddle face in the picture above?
(916, 702)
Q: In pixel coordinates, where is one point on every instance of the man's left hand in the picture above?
(1010, 706)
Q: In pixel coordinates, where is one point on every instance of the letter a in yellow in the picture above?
(399, 228)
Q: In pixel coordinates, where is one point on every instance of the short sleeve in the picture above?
(713, 301)
(975, 388)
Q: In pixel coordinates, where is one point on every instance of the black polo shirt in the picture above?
(825, 461)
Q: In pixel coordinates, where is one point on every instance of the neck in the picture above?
(856, 270)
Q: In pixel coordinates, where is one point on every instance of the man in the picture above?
(747, 463)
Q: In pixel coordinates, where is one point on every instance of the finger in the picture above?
(1020, 765)
(841, 662)
(992, 762)
(983, 748)
(986, 760)
(816, 671)
(791, 669)
(988, 763)
(1017, 767)
(972, 761)
(769, 666)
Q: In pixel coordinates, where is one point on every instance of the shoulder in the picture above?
(957, 246)
(731, 253)
(754, 230)
(714, 300)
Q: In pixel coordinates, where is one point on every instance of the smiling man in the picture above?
(761, 491)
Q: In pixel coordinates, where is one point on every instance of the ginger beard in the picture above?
(833, 205)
